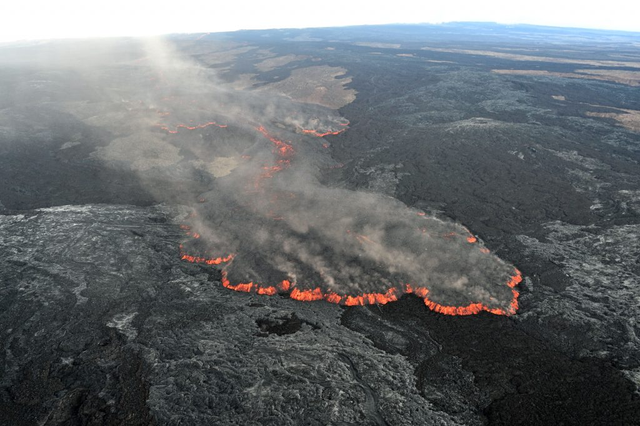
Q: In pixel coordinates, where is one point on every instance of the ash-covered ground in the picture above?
(308, 155)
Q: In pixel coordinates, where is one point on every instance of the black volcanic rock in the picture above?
(99, 320)
(102, 323)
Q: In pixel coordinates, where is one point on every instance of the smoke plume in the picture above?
(263, 216)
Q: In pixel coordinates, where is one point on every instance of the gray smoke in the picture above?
(279, 223)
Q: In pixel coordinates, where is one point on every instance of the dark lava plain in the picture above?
(101, 323)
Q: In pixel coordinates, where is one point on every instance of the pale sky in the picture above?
(43, 19)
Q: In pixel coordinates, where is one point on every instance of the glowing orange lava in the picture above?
(205, 260)
(322, 134)
(391, 295)
(281, 148)
(283, 152)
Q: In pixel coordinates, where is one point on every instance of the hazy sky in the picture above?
(33, 19)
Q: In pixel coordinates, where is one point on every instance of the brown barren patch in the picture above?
(629, 118)
(273, 63)
(140, 152)
(220, 166)
(215, 58)
(316, 85)
(630, 78)
(378, 45)
(517, 57)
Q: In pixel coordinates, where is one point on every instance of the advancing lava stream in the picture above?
(390, 295)
(371, 244)
(274, 223)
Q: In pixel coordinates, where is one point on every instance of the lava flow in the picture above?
(282, 237)
(281, 148)
(283, 152)
(392, 294)
(321, 134)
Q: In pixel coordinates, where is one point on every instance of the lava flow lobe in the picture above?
(277, 230)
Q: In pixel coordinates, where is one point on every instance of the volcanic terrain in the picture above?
(390, 225)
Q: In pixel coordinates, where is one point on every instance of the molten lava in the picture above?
(283, 153)
(205, 260)
(392, 294)
(281, 148)
(322, 134)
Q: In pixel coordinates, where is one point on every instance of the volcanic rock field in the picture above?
(391, 225)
